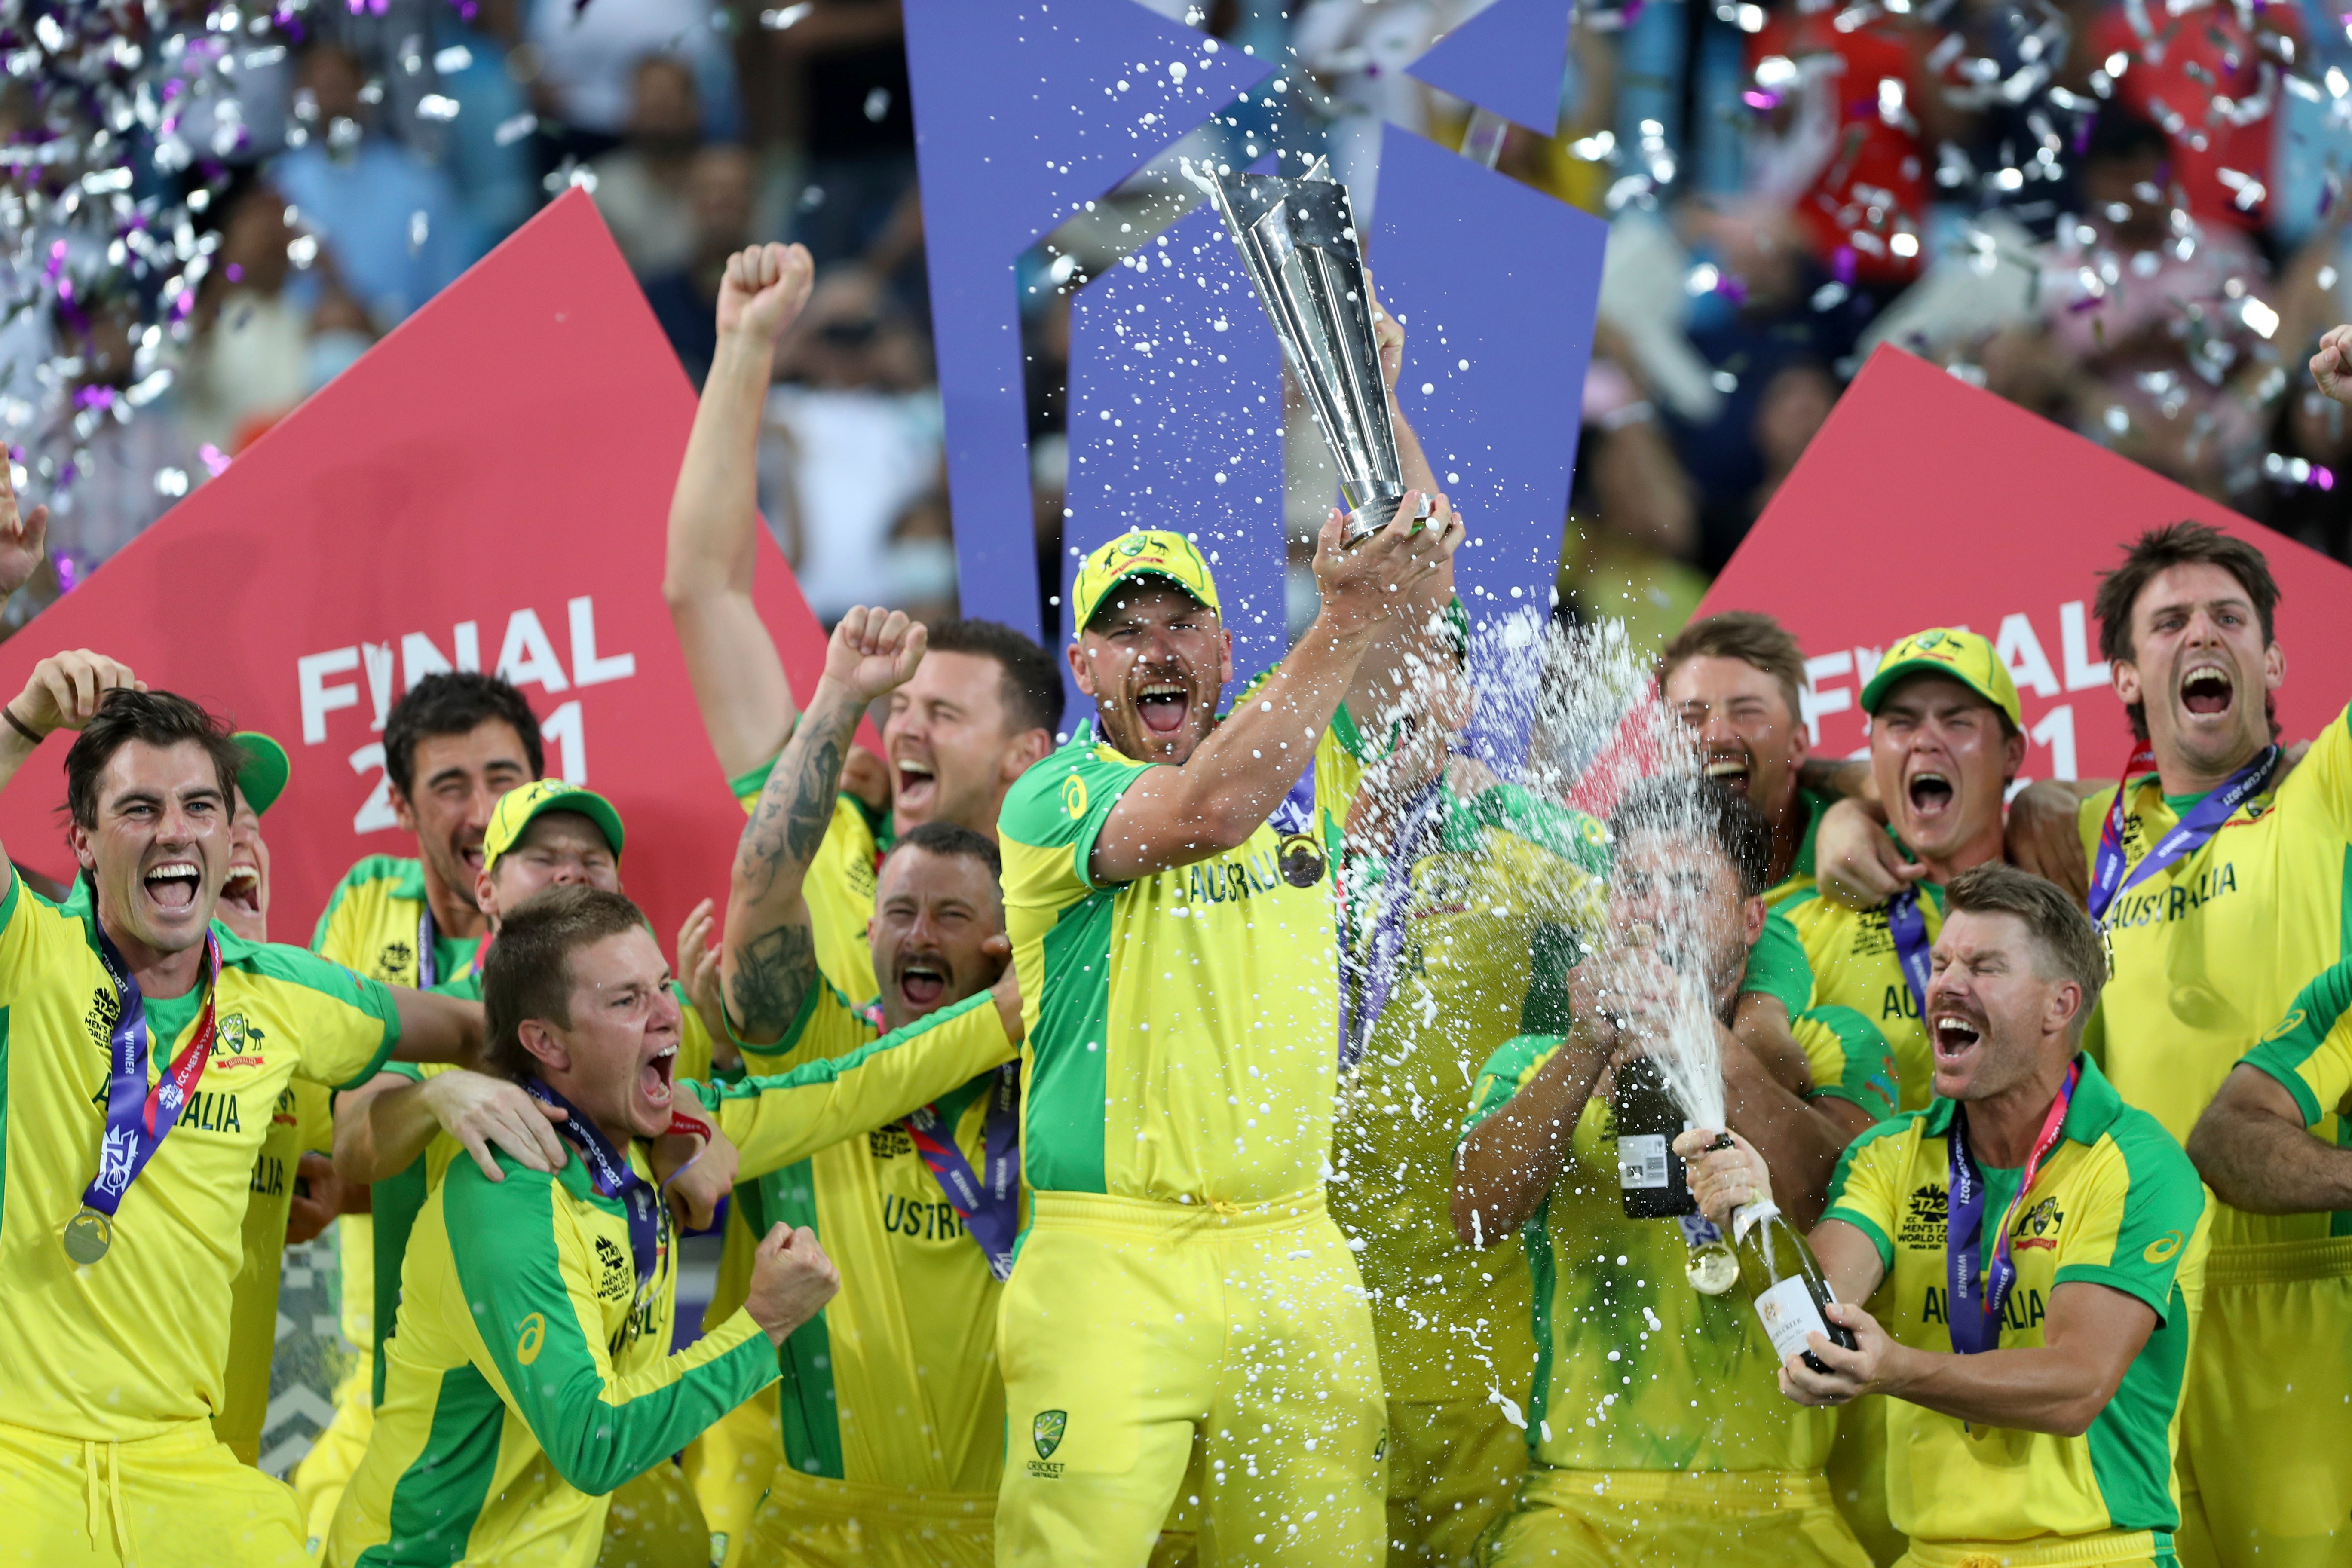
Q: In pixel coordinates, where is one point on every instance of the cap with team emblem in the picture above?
(518, 806)
(1956, 654)
(261, 779)
(1142, 552)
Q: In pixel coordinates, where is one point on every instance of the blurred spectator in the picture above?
(1355, 51)
(858, 127)
(919, 572)
(1632, 518)
(391, 221)
(585, 60)
(2210, 85)
(126, 467)
(2142, 343)
(486, 148)
(684, 300)
(642, 186)
(852, 437)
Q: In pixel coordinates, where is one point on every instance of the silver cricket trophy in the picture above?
(1297, 240)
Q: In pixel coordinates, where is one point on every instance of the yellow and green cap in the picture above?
(1142, 552)
(518, 806)
(1956, 654)
(262, 776)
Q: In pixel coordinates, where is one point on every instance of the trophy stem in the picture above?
(1375, 515)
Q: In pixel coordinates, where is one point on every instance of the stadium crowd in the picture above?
(1199, 1139)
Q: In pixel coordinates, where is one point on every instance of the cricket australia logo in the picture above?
(236, 1040)
(114, 1156)
(1046, 1431)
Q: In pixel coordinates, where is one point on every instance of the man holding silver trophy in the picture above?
(1182, 1300)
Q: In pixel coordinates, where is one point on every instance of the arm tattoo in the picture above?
(796, 805)
(773, 975)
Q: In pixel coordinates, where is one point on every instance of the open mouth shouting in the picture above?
(1734, 769)
(1162, 706)
(1931, 793)
(241, 894)
(923, 981)
(916, 783)
(2208, 689)
(1956, 1035)
(653, 1077)
(173, 884)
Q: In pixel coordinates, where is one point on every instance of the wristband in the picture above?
(8, 711)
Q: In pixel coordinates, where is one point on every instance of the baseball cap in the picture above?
(1141, 552)
(1957, 655)
(263, 775)
(517, 807)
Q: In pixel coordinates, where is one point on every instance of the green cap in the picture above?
(1955, 655)
(518, 806)
(262, 776)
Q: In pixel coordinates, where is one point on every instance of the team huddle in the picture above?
(1198, 1141)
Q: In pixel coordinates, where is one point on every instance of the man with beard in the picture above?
(1734, 678)
(891, 1408)
(453, 744)
(125, 1193)
(1180, 1279)
(2033, 1245)
(1651, 1435)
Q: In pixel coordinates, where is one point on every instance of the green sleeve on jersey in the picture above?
(1866, 1191)
(340, 1057)
(1777, 965)
(746, 786)
(1060, 804)
(528, 1294)
(2141, 1217)
(778, 1121)
(2310, 1050)
(1555, 949)
(1849, 1059)
(1506, 1072)
(1572, 835)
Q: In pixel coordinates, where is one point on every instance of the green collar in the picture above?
(2096, 1105)
(1816, 806)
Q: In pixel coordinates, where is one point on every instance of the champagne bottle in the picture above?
(1651, 1180)
(1794, 1290)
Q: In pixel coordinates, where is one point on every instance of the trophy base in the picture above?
(1375, 515)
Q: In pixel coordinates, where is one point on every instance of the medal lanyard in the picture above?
(1907, 924)
(1974, 1323)
(428, 966)
(614, 1177)
(2207, 817)
(1366, 981)
(989, 1212)
(138, 1117)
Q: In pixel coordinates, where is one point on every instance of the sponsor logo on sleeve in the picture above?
(2164, 1247)
(533, 1336)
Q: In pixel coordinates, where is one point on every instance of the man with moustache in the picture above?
(2033, 1245)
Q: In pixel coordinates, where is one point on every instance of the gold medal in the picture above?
(87, 1236)
(1301, 859)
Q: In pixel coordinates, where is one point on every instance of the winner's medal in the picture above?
(1301, 859)
(87, 1236)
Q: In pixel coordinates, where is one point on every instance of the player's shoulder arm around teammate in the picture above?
(776, 1120)
(1053, 817)
(523, 1267)
(350, 1026)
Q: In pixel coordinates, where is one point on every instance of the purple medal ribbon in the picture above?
(1366, 981)
(614, 1177)
(2206, 818)
(428, 968)
(991, 1213)
(1974, 1321)
(138, 1118)
(1909, 926)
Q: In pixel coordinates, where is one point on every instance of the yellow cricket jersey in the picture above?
(896, 1383)
(2209, 953)
(530, 1376)
(1851, 954)
(1183, 1029)
(302, 1122)
(2310, 1051)
(840, 882)
(371, 925)
(135, 1344)
(2117, 1204)
(1452, 1324)
(1635, 1370)
(473, 1455)
(1811, 805)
